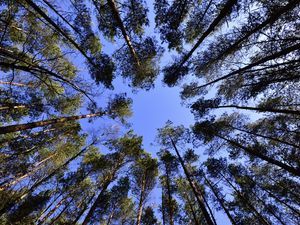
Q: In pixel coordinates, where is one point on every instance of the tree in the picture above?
(148, 217)
(144, 173)
(169, 165)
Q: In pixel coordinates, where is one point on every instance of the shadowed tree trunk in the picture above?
(221, 201)
(171, 217)
(16, 200)
(270, 20)
(223, 13)
(253, 152)
(196, 192)
(251, 65)
(56, 27)
(245, 201)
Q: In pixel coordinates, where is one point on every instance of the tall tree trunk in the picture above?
(274, 16)
(221, 201)
(171, 216)
(163, 210)
(261, 109)
(96, 202)
(265, 136)
(111, 216)
(116, 14)
(26, 126)
(11, 204)
(23, 137)
(192, 209)
(251, 65)
(12, 106)
(279, 200)
(57, 28)
(48, 207)
(37, 167)
(223, 13)
(83, 210)
(49, 214)
(61, 212)
(253, 152)
(60, 16)
(251, 207)
(196, 192)
(141, 202)
(16, 84)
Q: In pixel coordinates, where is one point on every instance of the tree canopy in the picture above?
(68, 150)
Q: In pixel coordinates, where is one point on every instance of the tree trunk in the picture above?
(141, 202)
(266, 137)
(48, 207)
(258, 62)
(256, 213)
(221, 201)
(116, 14)
(20, 127)
(83, 210)
(253, 152)
(284, 111)
(12, 106)
(16, 84)
(163, 206)
(196, 192)
(60, 16)
(270, 20)
(57, 28)
(94, 206)
(111, 216)
(11, 204)
(223, 13)
(37, 166)
(192, 209)
(52, 210)
(62, 211)
(169, 199)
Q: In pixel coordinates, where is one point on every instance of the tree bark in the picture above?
(223, 13)
(272, 110)
(37, 167)
(12, 106)
(141, 202)
(192, 209)
(251, 65)
(221, 201)
(16, 84)
(253, 152)
(56, 27)
(52, 210)
(270, 20)
(196, 192)
(83, 210)
(11, 204)
(169, 199)
(26, 126)
(256, 213)
(94, 206)
(264, 136)
(126, 37)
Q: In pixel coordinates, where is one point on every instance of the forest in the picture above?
(70, 75)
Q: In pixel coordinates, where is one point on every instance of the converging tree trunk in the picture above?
(26, 126)
(199, 196)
